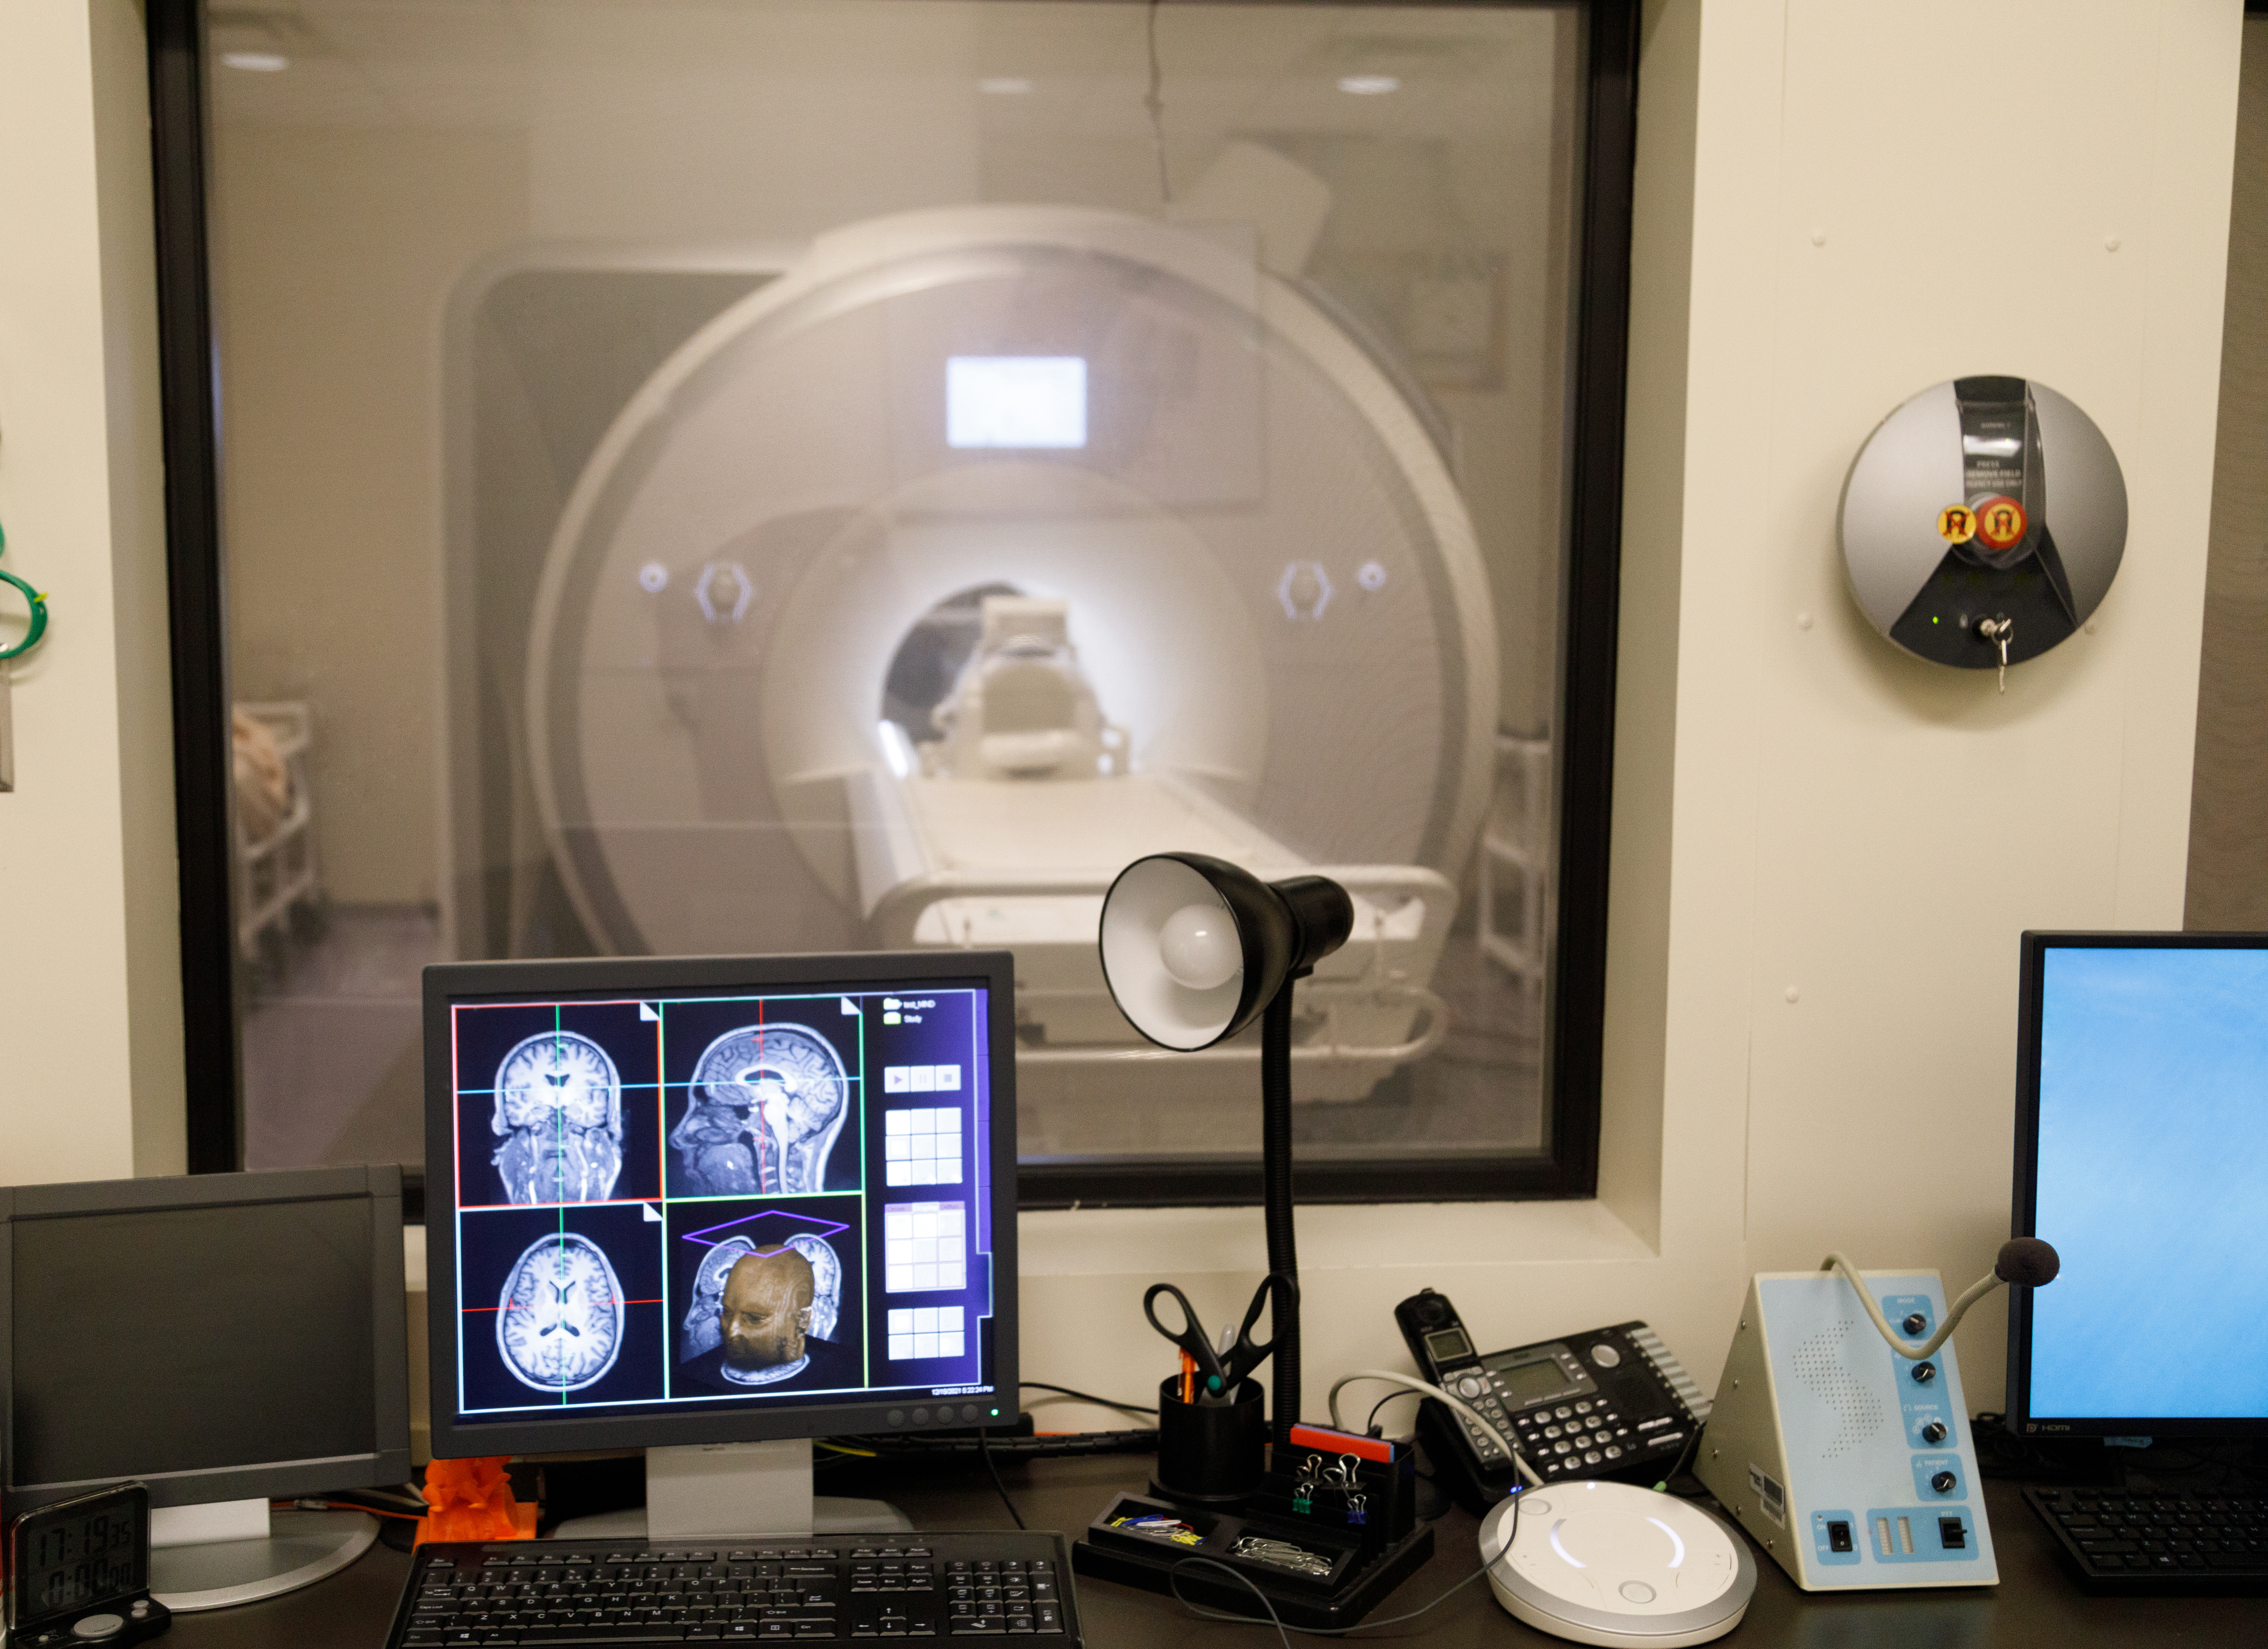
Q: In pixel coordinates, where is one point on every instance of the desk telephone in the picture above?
(1611, 1402)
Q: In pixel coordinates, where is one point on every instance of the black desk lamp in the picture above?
(1193, 949)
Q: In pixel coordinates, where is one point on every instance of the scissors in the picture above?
(1237, 1356)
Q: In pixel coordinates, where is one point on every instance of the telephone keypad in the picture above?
(1557, 1448)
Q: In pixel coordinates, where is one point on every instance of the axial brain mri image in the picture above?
(559, 1113)
(766, 1103)
(560, 1317)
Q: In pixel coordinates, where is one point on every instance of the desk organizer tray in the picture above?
(1358, 1574)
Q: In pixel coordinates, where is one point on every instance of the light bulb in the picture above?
(1199, 947)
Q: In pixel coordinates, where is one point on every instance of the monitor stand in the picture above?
(716, 1491)
(238, 1551)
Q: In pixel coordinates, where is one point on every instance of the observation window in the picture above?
(841, 474)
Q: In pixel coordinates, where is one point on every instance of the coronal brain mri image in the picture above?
(560, 1319)
(559, 1113)
(765, 1104)
(765, 1319)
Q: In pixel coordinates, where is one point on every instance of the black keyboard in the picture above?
(2153, 1541)
(827, 1587)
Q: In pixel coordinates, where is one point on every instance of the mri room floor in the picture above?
(330, 1047)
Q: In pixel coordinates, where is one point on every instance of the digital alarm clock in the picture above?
(78, 1571)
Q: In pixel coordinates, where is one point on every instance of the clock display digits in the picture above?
(71, 1563)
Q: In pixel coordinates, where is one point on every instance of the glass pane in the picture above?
(827, 475)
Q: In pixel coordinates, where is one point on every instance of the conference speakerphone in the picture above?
(824, 1589)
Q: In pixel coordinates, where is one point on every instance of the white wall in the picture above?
(1796, 805)
(1799, 805)
(90, 958)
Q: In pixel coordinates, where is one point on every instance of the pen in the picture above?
(1188, 1374)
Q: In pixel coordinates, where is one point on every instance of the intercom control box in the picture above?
(1851, 1465)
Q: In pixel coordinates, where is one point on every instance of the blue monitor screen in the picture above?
(721, 1197)
(2153, 1183)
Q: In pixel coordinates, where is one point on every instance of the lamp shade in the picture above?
(1193, 947)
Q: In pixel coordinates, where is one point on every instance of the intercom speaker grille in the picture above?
(1822, 1364)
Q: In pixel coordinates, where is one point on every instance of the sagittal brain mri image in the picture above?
(559, 1113)
(559, 1321)
(765, 1318)
(766, 1103)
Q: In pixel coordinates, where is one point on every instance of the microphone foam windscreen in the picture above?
(2028, 1262)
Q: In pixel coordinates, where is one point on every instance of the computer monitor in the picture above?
(677, 1203)
(2142, 1155)
(224, 1338)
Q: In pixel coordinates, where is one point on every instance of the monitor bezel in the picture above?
(2021, 1420)
(386, 1463)
(446, 983)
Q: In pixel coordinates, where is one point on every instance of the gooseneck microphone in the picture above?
(2026, 1262)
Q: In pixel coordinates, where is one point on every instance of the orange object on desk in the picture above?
(471, 1499)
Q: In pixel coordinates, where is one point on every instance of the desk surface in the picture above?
(2037, 1602)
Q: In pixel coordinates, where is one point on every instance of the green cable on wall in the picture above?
(38, 610)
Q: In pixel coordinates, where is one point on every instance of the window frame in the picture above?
(197, 598)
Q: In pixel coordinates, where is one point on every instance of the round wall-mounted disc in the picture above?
(1983, 499)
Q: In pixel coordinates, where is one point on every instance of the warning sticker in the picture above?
(1771, 1499)
(1956, 524)
(2000, 523)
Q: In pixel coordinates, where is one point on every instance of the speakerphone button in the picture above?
(1605, 1356)
(95, 1628)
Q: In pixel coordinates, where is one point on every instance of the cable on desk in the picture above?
(1277, 1620)
(1085, 1396)
(1410, 1383)
(1370, 1422)
(985, 1447)
(1691, 1450)
(308, 1504)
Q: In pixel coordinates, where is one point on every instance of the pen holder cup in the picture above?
(1211, 1452)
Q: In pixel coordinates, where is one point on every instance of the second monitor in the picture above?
(679, 1203)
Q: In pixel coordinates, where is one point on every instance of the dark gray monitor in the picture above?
(217, 1337)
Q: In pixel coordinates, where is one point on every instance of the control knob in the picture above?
(1933, 1432)
(1924, 1372)
(1943, 1482)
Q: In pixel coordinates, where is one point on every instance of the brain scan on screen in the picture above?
(560, 1317)
(765, 1104)
(559, 1113)
(703, 1330)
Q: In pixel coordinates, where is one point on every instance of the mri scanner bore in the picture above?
(984, 551)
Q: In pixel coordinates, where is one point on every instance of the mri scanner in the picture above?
(986, 549)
